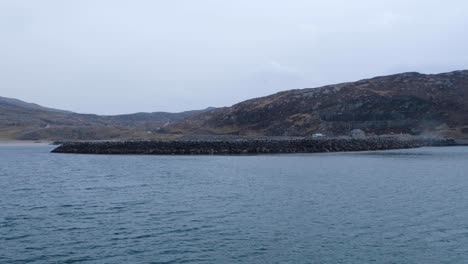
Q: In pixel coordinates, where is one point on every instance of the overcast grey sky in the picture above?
(116, 56)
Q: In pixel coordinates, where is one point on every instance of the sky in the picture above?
(116, 56)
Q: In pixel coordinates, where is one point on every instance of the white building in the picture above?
(318, 135)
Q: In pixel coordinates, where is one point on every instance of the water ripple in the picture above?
(403, 206)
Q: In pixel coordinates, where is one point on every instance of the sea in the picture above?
(398, 206)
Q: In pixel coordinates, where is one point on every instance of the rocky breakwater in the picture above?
(208, 147)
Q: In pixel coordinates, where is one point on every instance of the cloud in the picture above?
(277, 67)
(310, 28)
(389, 19)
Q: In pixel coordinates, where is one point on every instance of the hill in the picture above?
(27, 121)
(410, 103)
(403, 103)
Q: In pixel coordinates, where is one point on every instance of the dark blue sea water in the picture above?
(404, 206)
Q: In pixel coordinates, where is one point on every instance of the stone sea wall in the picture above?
(209, 147)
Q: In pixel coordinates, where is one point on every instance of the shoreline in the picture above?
(461, 142)
(24, 143)
(249, 147)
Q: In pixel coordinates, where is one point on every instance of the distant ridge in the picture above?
(5, 101)
(27, 121)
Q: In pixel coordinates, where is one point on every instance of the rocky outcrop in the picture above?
(245, 146)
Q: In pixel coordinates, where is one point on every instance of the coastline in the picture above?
(24, 143)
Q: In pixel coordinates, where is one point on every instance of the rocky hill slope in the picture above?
(21, 120)
(403, 103)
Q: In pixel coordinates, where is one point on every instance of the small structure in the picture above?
(318, 135)
(358, 133)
